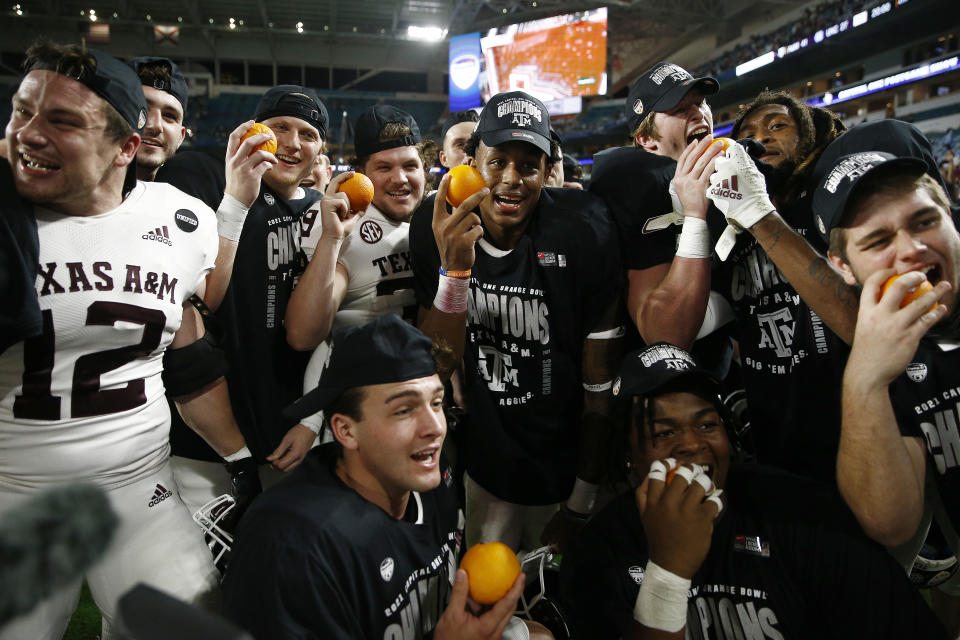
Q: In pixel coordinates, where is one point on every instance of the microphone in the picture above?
(49, 541)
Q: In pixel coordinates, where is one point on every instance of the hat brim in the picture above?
(708, 85)
(645, 385)
(316, 400)
(493, 138)
(839, 206)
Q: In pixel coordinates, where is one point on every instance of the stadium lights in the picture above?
(427, 34)
(299, 27)
(233, 24)
(92, 14)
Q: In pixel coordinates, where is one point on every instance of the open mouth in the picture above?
(933, 272)
(508, 203)
(37, 165)
(428, 457)
(152, 142)
(698, 134)
(289, 161)
(400, 194)
(307, 184)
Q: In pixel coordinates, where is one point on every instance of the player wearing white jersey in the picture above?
(360, 270)
(84, 400)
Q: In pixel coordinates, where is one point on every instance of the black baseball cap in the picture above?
(648, 369)
(296, 101)
(515, 115)
(839, 183)
(366, 136)
(177, 87)
(379, 352)
(456, 118)
(661, 88)
(113, 81)
(570, 165)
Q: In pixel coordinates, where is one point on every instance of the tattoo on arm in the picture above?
(770, 240)
(826, 277)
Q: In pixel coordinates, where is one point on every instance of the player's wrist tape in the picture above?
(694, 239)
(452, 294)
(662, 601)
(239, 455)
(598, 388)
(230, 216)
(609, 334)
(453, 273)
(583, 496)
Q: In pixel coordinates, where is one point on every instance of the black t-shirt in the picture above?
(635, 185)
(313, 559)
(529, 311)
(265, 374)
(19, 253)
(926, 402)
(786, 560)
(791, 362)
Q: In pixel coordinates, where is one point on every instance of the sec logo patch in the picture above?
(370, 232)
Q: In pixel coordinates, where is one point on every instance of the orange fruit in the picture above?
(464, 182)
(670, 474)
(723, 142)
(359, 191)
(270, 146)
(911, 295)
(492, 568)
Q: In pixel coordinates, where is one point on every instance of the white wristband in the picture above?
(583, 496)
(694, 239)
(230, 216)
(238, 455)
(452, 294)
(662, 601)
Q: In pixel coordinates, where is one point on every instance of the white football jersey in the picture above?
(376, 256)
(84, 400)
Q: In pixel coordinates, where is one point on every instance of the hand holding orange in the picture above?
(270, 146)
(492, 568)
(723, 143)
(359, 191)
(464, 182)
(911, 295)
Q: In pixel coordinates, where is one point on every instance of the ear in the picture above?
(470, 161)
(648, 144)
(837, 263)
(183, 134)
(345, 431)
(442, 156)
(127, 151)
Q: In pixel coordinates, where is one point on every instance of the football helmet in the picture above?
(215, 518)
(542, 570)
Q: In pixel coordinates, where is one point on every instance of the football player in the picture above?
(454, 134)
(166, 92)
(525, 291)
(706, 547)
(359, 270)
(84, 399)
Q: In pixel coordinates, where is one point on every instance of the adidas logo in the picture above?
(727, 189)
(160, 494)
(160, 234)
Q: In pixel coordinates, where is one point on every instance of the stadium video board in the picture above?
(553, 59)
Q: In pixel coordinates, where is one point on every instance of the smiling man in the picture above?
(362, 541)
(661, 562)
(166, 92)
(259, 204)
(522, 282)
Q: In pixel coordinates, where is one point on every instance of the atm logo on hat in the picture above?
(851, 168)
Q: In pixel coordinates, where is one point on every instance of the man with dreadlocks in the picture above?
(774, 279)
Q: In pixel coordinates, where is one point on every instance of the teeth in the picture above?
(398, 194)
(288, 159)
(36, 164)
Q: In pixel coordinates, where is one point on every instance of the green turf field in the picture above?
(85, 623)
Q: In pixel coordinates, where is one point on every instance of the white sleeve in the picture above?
(718, 313)
(311, 229)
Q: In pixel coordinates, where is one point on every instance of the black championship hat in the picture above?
(661, 88)
(515, 116)
(839, 183)
(177, 87)
(646, 370)
(570, 165)
(379, 352)
(113, 81)
(293, 100)
(456, 118)
(366, 136)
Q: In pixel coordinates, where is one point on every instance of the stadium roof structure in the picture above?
(269, 30)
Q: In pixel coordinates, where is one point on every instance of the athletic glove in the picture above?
(739, 191)
(244, 486)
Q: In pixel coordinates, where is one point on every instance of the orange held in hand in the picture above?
(911, 295)
(724, 144)
(270, 146)
(464, 182)
(359, 191)
(670, 474)
(492, 568)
